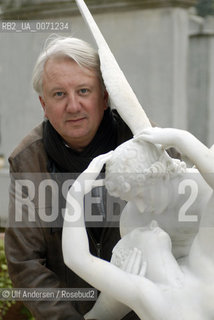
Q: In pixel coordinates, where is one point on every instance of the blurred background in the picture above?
(164, 47)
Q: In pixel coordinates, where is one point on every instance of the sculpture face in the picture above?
(153, 196)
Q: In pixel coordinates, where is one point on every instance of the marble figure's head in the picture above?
(135, 166)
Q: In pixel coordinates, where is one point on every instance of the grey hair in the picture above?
(68, 47)
(134, 162)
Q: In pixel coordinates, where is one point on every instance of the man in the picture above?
(79, 126)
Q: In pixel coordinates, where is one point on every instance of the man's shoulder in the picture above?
(30, 155)
(34, 136)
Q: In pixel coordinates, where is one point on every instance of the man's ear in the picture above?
(42, 101)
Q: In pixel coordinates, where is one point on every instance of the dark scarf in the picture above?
(66, 159)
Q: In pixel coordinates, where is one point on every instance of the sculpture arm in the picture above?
(77, 255)
(107, 308)
(196, 151)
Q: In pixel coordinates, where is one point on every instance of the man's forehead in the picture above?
(55, 65)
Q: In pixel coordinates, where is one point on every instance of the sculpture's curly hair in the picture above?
(134, 162)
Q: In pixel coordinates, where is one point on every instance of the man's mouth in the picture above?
(76, 120)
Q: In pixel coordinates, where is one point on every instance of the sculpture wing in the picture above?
(120, 92)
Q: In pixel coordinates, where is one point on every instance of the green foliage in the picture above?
(27, 313)
(205, 7)
(5, 281)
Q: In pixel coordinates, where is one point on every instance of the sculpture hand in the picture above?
(87, 179)
(97, 163)
(168, 137)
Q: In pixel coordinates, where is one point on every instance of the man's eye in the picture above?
(59, 94)
(84, 91)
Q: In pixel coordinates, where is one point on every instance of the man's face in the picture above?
(73, 100)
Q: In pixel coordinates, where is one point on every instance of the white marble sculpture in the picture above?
(155, 281)
(148, 278)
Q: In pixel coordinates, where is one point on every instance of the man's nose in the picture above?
(73, 103)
